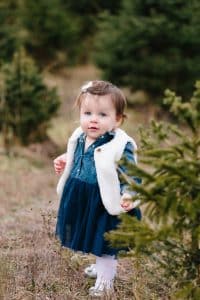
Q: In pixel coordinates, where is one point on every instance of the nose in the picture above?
(94, 119)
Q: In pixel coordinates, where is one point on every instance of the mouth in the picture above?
(93, 128)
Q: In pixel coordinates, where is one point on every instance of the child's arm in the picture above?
(59, 163)
(126, 199)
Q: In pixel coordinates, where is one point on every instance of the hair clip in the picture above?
(86, 86)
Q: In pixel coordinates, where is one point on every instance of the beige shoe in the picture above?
(90, 271)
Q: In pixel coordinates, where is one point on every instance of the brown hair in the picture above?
(100, 87)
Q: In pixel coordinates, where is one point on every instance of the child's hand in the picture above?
(59, 163)
(127, 203)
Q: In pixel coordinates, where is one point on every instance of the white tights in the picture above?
(106, 267)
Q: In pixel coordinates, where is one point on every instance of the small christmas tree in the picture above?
(27, 104)
(170, 192)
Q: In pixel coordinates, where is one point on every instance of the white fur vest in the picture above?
(106, 158)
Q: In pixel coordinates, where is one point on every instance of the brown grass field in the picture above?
(33, 266)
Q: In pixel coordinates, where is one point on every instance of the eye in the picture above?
(87, 113)
(102, 114)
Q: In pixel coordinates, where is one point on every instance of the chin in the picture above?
(93, 136)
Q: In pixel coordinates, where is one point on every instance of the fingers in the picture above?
(127, 205)
(126, 201)
(58, 169)
(59, 164)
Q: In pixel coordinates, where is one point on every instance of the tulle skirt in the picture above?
(82, 219)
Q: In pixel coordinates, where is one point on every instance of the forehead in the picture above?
(99, 101)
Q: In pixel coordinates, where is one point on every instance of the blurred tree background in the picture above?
(143, 45)
(150, 45)
(51, 29)
(11, 31)
(26, 103)
(54, 34)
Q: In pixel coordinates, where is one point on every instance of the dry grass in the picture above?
(32, 264)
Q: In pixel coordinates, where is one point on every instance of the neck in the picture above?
(88, 142)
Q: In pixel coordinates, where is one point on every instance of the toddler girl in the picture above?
(91, 195)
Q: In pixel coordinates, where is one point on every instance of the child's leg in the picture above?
(106, 267)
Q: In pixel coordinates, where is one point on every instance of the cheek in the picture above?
(84, 122)
(83, 118)
(110, 124)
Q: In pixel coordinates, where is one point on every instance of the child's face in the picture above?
(98, 115)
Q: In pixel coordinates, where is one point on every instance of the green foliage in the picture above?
(58, 27)
(26, 103)
(89, 7)
(151, 44)
(170, 193)
(87, 12)
(51, 29)
(10, 29)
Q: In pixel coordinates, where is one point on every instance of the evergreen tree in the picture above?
(10, 29)
(62, 27)
(26, 104)
(87, 12)
(170, 168)
(52, 29)
(151, 44)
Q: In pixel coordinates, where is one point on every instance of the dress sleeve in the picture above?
(130, 155)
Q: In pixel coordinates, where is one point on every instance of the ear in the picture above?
(119, 120)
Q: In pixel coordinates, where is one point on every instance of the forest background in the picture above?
(48, 49)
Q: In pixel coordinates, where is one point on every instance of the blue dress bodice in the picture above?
(83, 164)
